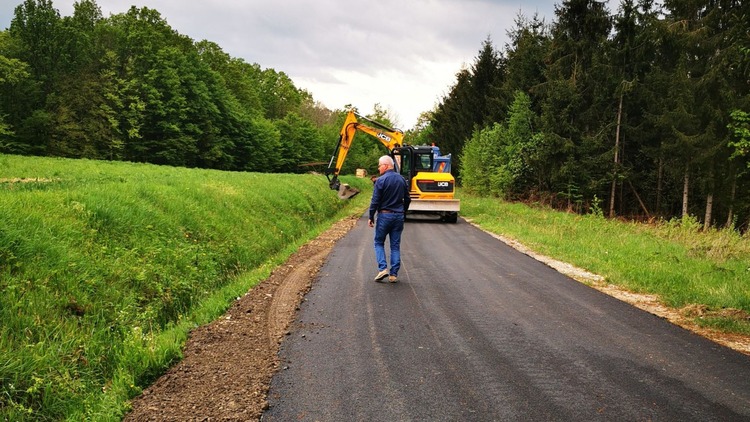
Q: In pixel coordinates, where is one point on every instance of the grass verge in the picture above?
(106, 267)
(705, 275)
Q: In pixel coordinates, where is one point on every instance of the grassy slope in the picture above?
(105, 267)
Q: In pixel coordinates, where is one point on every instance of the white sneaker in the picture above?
(381, 275)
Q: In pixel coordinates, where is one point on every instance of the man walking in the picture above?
(390, 199)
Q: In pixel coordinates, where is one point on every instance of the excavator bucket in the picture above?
(347, 192)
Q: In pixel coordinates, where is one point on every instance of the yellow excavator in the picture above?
(428, 174)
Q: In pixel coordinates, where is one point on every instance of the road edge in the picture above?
(647, 302)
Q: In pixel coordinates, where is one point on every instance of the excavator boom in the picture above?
(390, 138)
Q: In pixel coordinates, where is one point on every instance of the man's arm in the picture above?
(375, 201)
(407, 198)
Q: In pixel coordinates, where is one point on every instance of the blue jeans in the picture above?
(391, 225)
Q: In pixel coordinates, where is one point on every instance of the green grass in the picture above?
(105, 268)
(674, 260)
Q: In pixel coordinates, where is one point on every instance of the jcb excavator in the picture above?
(428, 173)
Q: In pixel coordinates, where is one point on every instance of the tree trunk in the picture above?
(659, 175)
(730, 214)
(708, 217)
(638, 197)
(685, 187)
(617, 159)
(612, 196)
(709, 210)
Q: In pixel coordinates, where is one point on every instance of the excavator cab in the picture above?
(426, 176)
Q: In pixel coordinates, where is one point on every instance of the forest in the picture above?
(641, 112)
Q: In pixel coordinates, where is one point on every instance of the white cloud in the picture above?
(402, 54)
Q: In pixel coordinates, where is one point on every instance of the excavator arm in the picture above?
(390, 138)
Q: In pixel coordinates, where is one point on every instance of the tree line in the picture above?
(129, 87)
(641, 113)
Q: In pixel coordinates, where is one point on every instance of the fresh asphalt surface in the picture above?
(476, 331)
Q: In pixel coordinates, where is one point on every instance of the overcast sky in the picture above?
(403, 54)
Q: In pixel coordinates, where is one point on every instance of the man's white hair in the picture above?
(386, 159)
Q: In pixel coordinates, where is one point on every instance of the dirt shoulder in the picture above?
(227, 366)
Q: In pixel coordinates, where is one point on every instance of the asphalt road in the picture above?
(476, 331)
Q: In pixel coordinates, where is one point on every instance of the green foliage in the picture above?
(525, 57)
(596, 207)
(278, 94)
(479, 158)
(422, 133)
(37, 27)
(740, 127)
(261, 146)
(301, 143)
(507, 153)
(106, 266)
(129, 87)
(633, 109)
(12, 72)
(468, 104)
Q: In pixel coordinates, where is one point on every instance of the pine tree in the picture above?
(576, 102)
(467, 106)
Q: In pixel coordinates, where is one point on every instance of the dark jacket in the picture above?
(390, 193)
